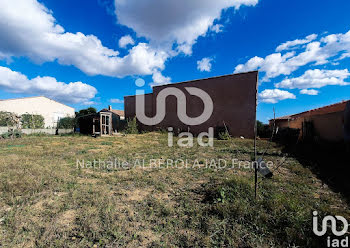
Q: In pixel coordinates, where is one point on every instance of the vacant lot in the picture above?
(46, 200)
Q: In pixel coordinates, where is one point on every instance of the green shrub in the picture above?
(5, 135)
(224, 135)
(32, 121)
(66, 123)
(17, 133)
(221, 133)
(5, 119)
(11, 134)
(263, 130)
(131, 126)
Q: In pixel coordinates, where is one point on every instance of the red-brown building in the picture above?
(234, 102)
(327, 121)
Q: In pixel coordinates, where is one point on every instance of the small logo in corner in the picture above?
(332, 220)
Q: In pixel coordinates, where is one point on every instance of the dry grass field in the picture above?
(46, 200)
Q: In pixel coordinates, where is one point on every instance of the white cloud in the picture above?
(310, 92)
(116, 101)
(273, 65)
(292, 44)
(204, 64)
(125, 41)
(333, 47)
(169, 22)
(344, 56)
(74, 92)
(159, 79)
(29, 29)
(316, 79)
(217, 28)
(275, 95)
(251, 65)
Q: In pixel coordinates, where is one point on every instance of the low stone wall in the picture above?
(44, 131)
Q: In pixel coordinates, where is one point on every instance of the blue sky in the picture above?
(72, 50)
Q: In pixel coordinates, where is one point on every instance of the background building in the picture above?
(106, 122)
(326, 122)
(120, 113)
(51, 110)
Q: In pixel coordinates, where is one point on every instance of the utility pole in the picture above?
(255, 165)
(255, 137)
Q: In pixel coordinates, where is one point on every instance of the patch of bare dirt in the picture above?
(88, 180)
(137, 194)
(147, 237)
(67, 218)
(42, 204)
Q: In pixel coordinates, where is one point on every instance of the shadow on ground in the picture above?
(329, 161)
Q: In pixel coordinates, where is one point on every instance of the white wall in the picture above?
(49, 109)
(43, 131)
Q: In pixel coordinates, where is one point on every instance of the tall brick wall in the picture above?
(234, 99)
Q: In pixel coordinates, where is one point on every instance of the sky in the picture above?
(89, 53)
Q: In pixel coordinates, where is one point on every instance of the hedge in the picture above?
(5, 119)
(66, 123)
(32, 121)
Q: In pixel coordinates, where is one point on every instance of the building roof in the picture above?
(114, 111)
(29, 97)
(336, 107)
(118, 112)
(286, 117)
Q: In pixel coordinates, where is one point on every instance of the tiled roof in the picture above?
(118, 112)
(286, 117)
(336, 107)
(114, 111)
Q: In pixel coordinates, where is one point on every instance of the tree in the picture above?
(263, 130)
(66, 123)
(82, 112)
